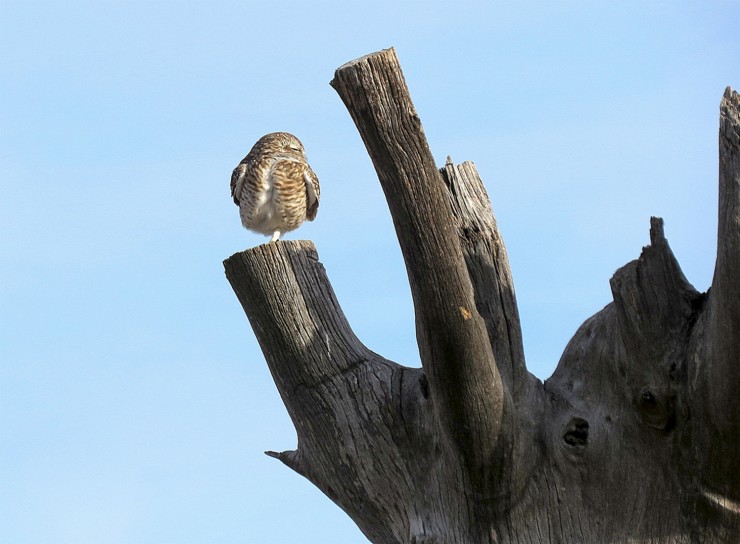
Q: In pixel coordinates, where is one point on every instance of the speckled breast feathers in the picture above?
(274, 186)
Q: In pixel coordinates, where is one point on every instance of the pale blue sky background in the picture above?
(134, 401)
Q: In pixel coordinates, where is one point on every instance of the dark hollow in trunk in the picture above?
(636, 436)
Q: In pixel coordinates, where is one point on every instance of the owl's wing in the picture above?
(237, 181)
(313, 193)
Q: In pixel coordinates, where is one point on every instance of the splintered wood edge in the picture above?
(390, 51)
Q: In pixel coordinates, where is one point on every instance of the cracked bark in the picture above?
(635, 437)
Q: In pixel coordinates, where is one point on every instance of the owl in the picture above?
(274, 186)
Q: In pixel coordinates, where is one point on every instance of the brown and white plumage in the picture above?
(274, 186)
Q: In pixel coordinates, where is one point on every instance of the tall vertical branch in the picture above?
(453, 342)
(722, 366)
(488, 269)
(726, 283)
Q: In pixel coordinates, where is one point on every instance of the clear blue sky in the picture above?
(134, 401)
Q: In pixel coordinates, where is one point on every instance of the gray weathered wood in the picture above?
(636, 436)
(453, 344)
(367, 436)
(716, 375)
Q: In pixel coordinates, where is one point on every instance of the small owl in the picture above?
(274, 186)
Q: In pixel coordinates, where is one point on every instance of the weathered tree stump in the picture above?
(636, 436)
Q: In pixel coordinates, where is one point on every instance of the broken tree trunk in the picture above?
(636, 436)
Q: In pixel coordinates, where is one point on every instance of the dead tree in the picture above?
(636, 436)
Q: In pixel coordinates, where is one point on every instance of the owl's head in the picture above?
(283, 143)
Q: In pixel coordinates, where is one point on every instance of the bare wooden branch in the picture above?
(720, 378)
(490, 275)
(367, 433)
(452, 337)
(488, 269)
(295, 315)
(725, 299)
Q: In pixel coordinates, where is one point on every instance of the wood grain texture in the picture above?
(718, 378)
(453, 342)
(634, 439)
(367, 436)
(488, 268)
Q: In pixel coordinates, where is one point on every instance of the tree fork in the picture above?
(635, 437)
